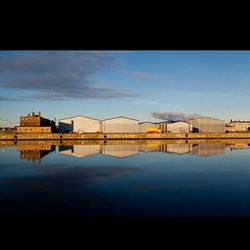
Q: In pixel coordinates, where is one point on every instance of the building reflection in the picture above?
(120, 151)
(79, 150)
(176, 148)
(34, 151)
(206, 150)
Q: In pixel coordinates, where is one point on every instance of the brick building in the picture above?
(36, 124)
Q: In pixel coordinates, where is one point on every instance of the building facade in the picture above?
(179, 127)
(120, 124)
(143, 126)
(80, 124)
(235, 126)
(35, 124)
(207, 124)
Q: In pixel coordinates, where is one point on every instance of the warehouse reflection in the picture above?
(33, 150)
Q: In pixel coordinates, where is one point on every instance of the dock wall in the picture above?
(122, 136)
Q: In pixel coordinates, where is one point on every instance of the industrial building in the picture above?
(179, 127)
(120, 124)
(162, 126)
(143, 126)
(80, 124)
(174, 127)
(207, 124)
(241, 126)
(35, 124)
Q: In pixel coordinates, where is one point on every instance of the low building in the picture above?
(120, 124)
(143, 126)
(80, 124)
(207, 124)
(162, 125)
(179, 127)
(235, 126)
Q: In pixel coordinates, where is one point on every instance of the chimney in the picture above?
(39, 113)
(28, 114)
(33, 113)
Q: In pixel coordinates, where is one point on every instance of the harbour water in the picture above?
(153, 179)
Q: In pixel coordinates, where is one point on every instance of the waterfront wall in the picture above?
(122, 136)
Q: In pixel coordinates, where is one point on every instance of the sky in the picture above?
(145, 85)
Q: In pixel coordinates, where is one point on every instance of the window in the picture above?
(31, 129)
(42, 129)
(25, 129)
(47, 129)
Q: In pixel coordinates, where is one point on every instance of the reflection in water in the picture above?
(208, 149)
(79, 150)
(35, 150)
(165, 178)
(176, 148)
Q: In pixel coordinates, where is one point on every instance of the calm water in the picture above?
(156, 180)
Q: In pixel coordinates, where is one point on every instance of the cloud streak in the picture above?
(143, 76)
(174, 116)
(58, 75)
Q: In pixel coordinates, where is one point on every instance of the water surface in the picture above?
(155, 179)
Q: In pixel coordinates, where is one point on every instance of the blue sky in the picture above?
(146, 85)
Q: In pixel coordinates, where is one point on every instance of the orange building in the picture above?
(35, 124)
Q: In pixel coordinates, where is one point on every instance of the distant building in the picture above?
(162, 125)
(179, 127)
(35, 124)
(234, 126)
(174, 127)
(143, 126)
(80, 124)
(120, 124)
(207, 124)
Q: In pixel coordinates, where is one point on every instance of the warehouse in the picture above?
(207, 124)
(80, 124)
(162, 126)
(143, 126)
(179, 127)
(120, 124)
(120, 151)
